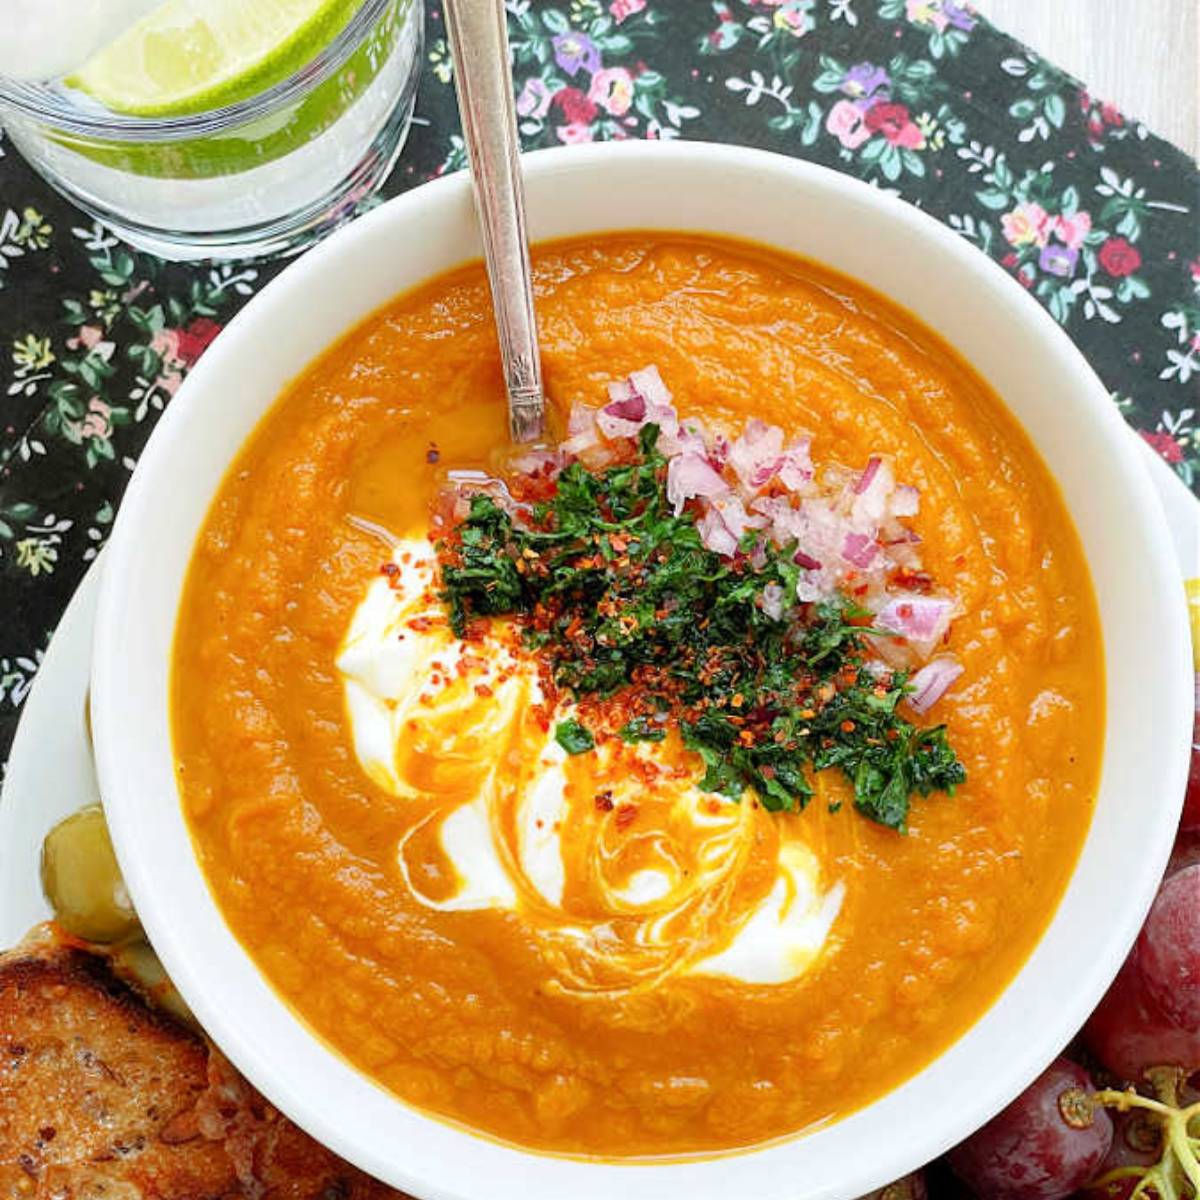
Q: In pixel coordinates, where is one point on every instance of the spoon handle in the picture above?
(482, 76)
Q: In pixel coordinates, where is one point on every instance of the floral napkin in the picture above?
(1090, 211)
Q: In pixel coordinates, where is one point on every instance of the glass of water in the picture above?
(227, 128)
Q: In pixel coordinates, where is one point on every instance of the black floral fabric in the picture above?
(1086, 207)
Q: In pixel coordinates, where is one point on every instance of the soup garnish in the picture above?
(675, 583)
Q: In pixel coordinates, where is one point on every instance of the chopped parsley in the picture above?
(647, 629)
(573, 737)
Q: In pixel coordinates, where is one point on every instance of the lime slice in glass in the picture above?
(191, 56)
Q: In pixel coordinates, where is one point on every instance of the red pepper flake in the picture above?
(483, 691)
(390, 569)
(626, 815)
(424, 624)
(604, 801)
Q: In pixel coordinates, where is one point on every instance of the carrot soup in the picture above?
(684, 783)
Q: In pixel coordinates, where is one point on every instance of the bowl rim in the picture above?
(501, 1164)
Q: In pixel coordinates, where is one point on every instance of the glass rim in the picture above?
(37, 101)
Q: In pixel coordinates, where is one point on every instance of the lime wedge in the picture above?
(191, 56)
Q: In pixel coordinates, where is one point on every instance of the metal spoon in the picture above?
(482, 76)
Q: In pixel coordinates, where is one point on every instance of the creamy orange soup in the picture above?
(554, 1001)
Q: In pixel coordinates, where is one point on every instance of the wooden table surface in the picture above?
(1143, 55)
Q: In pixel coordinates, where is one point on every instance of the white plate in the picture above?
(50, 772)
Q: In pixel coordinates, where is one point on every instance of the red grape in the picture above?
(1191, 803)
(911, 1187)
(1168, 949)
(1185, 853)
(1137, 1142)
(1150, 1016)
(1129, 1033)
(1047, 1143)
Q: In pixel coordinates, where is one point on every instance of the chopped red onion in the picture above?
(649, 384)
(873, 493)
(641, 399)
(737, 519)
(625, 408)
(715, 535)
(814, 588)
(806, 561)
(690, 475)
(859, 549)
(689, 437)
(796, 470)
(757, 454)
(906, 501)
(869, 473)
(581, 420)
(547, 463)
(724, 522)
(920, 620)
(931, 681)
(772, 601)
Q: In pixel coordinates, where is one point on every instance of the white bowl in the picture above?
(797, 207)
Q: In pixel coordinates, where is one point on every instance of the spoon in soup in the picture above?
(478, 37)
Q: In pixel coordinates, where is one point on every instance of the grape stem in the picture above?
(1179, 1166)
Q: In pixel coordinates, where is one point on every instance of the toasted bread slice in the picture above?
(105, 1097)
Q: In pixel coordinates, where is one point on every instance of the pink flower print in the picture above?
(165, 343)
(1027, 224)
(575, 106)
(95, 423)
(194, 340)
(612, 90)
(574, 133)
(620, 9)
(1164, 445)
(926, 12)
(1119, 258)
(893, 121)
(793, 15)
(1072, 230)
(845, 122)
(534, 100)
(169, 382)
(89, 335)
